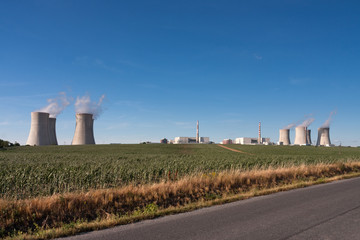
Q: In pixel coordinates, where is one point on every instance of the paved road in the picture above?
(328, 211)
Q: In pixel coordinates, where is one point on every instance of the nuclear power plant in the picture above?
(284, 137)
(84, 133)
(323, 137)
(39, 130)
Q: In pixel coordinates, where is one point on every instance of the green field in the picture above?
(27, 172)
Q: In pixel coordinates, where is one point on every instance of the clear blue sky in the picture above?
(165, 64)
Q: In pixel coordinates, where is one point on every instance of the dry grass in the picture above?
(32, 215)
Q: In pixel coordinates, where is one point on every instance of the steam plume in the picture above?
(307, 122)
(326, 124)
(290, 126)
(85, 105)
(56, 105)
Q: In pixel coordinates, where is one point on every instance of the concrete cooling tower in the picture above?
(308, 137)
(323, 137)
(284, 137)
(52, 131)
(84, 133)
(300, 136)
(39, 130)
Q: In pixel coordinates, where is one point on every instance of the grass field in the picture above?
(27, 172)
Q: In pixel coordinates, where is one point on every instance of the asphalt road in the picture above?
(328, 211)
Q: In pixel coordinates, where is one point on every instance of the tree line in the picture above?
(4, 143)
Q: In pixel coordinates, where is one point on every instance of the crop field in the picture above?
(27, 172)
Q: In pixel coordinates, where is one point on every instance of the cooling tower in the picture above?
(84, 133)
(39, 130)
(323, 137)
(300, 136)
(52, 131)
(308, 137)
(284, 136)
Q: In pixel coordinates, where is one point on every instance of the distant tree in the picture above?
(4, 144)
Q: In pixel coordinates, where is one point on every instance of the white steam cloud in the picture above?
(290, 126)
(56, 105)
(326, 124)
(307, 122)
(85, 105)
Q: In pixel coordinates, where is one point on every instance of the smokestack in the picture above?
(52, 131)
(300, 136)
(84, 133)
(259, 138)
(39, 130)
(284, 136)
(308, 137)
(323, 137)
(197, 132)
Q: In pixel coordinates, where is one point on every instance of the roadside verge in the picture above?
(62, 215)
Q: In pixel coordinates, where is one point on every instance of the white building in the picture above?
(187, 140)
(250, 141)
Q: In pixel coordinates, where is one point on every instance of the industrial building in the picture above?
(227, 141)
(251, 141)
(189, 140)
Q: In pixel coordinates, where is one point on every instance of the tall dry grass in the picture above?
(54, 211)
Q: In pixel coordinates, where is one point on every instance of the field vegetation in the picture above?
(27, 172)
(58, 190)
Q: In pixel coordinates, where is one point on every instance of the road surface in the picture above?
(328, 211)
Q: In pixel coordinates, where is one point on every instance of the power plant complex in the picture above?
(43, 130)
(303, 136)
(189, 140)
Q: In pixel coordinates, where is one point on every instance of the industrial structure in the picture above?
(251, 141)
(259, 137)
(323, 137)
(308, 137)
(301, 136)
(84, 133)
(39, 130)
(52, 131)
(284, 137)
(227, 141)
(187, 140)
(197, 132)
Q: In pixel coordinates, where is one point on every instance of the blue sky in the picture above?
(165, 64)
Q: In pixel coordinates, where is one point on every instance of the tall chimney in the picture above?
(284, 136)
(259, 138)
(39, 130)
(84, 133)
(52, 131)
(197, 132)
(323, 137)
